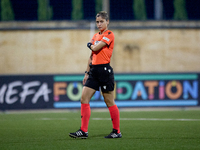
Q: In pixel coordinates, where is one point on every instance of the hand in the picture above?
(85, 78)
(89, 45)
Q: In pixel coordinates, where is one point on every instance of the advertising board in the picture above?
(131, 90)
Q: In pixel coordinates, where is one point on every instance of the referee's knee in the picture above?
(85, 100)
(109, 102)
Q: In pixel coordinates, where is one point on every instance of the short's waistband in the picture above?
(100, 65)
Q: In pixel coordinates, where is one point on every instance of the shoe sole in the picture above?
(112, 137)
(73, 136)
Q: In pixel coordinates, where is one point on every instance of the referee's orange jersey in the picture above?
(103, 55)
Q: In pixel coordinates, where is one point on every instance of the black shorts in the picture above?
(101, 76)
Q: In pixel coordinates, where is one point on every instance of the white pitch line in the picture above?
(51, 119)
(149, 119)
(140, 119)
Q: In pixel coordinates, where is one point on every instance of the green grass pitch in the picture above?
(141, 130)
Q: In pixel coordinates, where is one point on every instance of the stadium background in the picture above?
(119, 9)
(54, 41)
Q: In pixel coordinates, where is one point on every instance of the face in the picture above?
(102, 24)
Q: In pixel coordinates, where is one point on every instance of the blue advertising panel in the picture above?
(131, 90)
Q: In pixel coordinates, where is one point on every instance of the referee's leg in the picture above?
(87, 94)
(109, 98)
(114, 114)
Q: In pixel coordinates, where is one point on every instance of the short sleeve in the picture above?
(108, 38)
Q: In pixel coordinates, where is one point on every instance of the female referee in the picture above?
(99, 74)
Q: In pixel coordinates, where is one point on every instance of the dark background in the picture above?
(26, 10)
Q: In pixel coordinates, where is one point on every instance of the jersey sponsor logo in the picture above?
(107, 39)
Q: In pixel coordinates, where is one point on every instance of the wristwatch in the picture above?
(87, 72)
